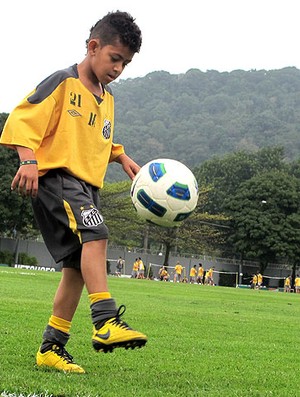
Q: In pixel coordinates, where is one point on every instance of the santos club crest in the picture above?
(91, 217)
(106, 131)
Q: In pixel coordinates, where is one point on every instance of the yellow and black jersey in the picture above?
(254, 279)
(297, 282)
(66, 126)
(178, 269)
(164, 273)
(193, 272)
(141, 265)
(259, 278)
(200, 271)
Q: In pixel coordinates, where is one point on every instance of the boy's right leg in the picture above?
(109, 330)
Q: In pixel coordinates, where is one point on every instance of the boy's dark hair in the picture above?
(117, 26)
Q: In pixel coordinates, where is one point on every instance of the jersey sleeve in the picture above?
(116, 150)
(27, 124)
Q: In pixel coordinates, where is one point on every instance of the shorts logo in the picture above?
(106, 131)
(91, 217)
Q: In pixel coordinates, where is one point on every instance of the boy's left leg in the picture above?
(52, 352)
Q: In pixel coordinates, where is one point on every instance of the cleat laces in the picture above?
(62, 352)
(117, 320)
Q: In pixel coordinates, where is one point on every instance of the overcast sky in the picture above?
(38, 37)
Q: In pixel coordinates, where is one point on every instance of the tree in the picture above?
(265, 214)
(15, 211)
(199, 233)
(3, 117)
(224, 175)
(125, 227)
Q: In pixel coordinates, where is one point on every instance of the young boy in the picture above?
(63, 134)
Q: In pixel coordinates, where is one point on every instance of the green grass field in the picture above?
(203, 341)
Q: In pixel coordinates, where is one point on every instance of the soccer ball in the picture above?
(164, 192)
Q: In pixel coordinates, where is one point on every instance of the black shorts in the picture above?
(67, 213)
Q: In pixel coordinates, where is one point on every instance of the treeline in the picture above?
(248, 208)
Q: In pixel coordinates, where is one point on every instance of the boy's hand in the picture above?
(129, 166)
(26, 180)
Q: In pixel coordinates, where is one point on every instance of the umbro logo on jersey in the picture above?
(74, 113)
(91, 217)
(104, 336)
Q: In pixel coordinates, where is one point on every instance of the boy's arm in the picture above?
(26, 178)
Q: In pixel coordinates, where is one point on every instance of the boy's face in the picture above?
(109, 61)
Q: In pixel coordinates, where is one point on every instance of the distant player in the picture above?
(209, 276)
(200, 274)
(287, 284)
(141, 268)
(135, 268)
(163, 274)
(297, 284)
(259, 280)
(178, 272)
(193, 274)
(254, 281)
(120, 266)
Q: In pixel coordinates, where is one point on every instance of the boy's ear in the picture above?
(93, 44)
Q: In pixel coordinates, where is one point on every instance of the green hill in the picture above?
(193, 116)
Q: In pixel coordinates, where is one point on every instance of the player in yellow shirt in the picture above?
(63, 134)
(209, 276)
(193, 274)
(163, 274)
(259, 280)
(200, 274)
(135, 269)
(141, 268)
(178, 273)
(287, 284)
(297, 284)
(254, 281)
